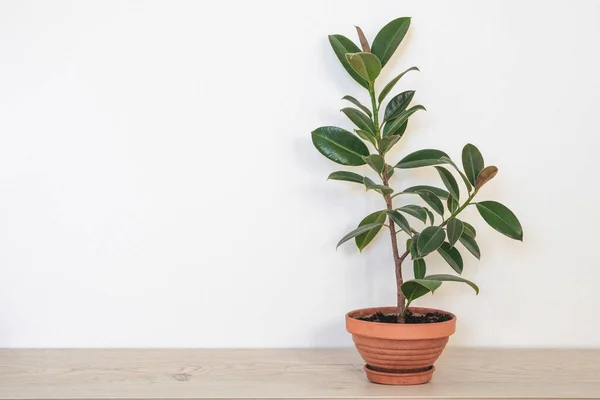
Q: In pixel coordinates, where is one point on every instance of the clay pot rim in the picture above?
(385, 309)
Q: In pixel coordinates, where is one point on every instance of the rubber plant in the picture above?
(379, 128)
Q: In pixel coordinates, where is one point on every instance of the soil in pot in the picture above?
(411, 318)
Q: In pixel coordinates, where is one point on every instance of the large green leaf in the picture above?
(415, 211)
(433, 201)
(389, 37)
(366, 65)
(346, 176)
(472, 161)
(360, 119)
(452, 256)
(486, 175)
(447, 160)
(363, 240)
(419, 287)
(449, 181)
(388, 88)
(398, 104)
(400, 220)
(451, 278)
(341, 46)
(419, 268)
(358, 231)
(339, 145)
(386, 143)
(395, 125)
(454, 230)
(471, 245)
(382, 189)
(376, 162)
(358, 104)
(501, 219)
(441, 193)
(421, 158)
(430, 239)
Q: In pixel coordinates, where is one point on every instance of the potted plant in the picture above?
(400, 344)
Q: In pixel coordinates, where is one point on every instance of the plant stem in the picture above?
(458, 210)
(375, 111)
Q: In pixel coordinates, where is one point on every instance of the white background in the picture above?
(158, 184)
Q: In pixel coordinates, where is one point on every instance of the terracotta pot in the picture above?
(399, 354)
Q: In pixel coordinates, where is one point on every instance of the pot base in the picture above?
(399, 378)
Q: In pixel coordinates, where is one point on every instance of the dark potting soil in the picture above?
(411, 318)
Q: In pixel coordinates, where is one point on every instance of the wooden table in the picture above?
(296, 374)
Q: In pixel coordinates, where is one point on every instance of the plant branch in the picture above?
(458, 210)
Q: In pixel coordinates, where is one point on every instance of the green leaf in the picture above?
(447, 160)
(376, 162)
(396, 124)
(408, 244)
(389, 170)
(452, 257)
(388, 88)
(452, 278)
(449, 182)
(341, 46)
(486, 175)
(364, 43)
(433, 201)
(416, 211)
(382, 189)
(360, 119)
(386, 143)
(472, 161)
(389, 37)
(398, 132)
(452, 204)
(430, 239)
(454, 230)
(414, 252)
(441, 193)
(501, 219)
(471, 245)
(468, 229)
(358, 104)
(339, 145)
(397, 105)
(369, 137)
(419, 288)
(358, 231)
(400, 220)
(363, 240)
(346, 176)
(421, 158)
(430, 215)
(419, 268)
(366, 65)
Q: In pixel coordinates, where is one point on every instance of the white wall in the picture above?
(158, 185)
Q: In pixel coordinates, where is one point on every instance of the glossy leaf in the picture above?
(366, 65)
(339, 145)
(358, 104)
(360, 119)
(367, 237)
(388, 88)
(398, 131)
(382, 189)
(389, 38)
(386, 143)
(454, 230)
(429, 215)
(358, 231)
(376, 162)
(400, 220)
(452, 278)
(430, 239)
(447, 160)
(452, 257)
(486, 175)
(441, 193)
(346, 176)
(468, 229)
(471, 245)
(397, 105)
(501, 219)
(414, 253)
(452, 204)
(368, 136)
(341, 46)
(364, 43)
(396, 124)
(472, 161)
(433, 201)
(416, 211)
(449, 181)
(419, 268)
(421, 158)
(418, 288)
